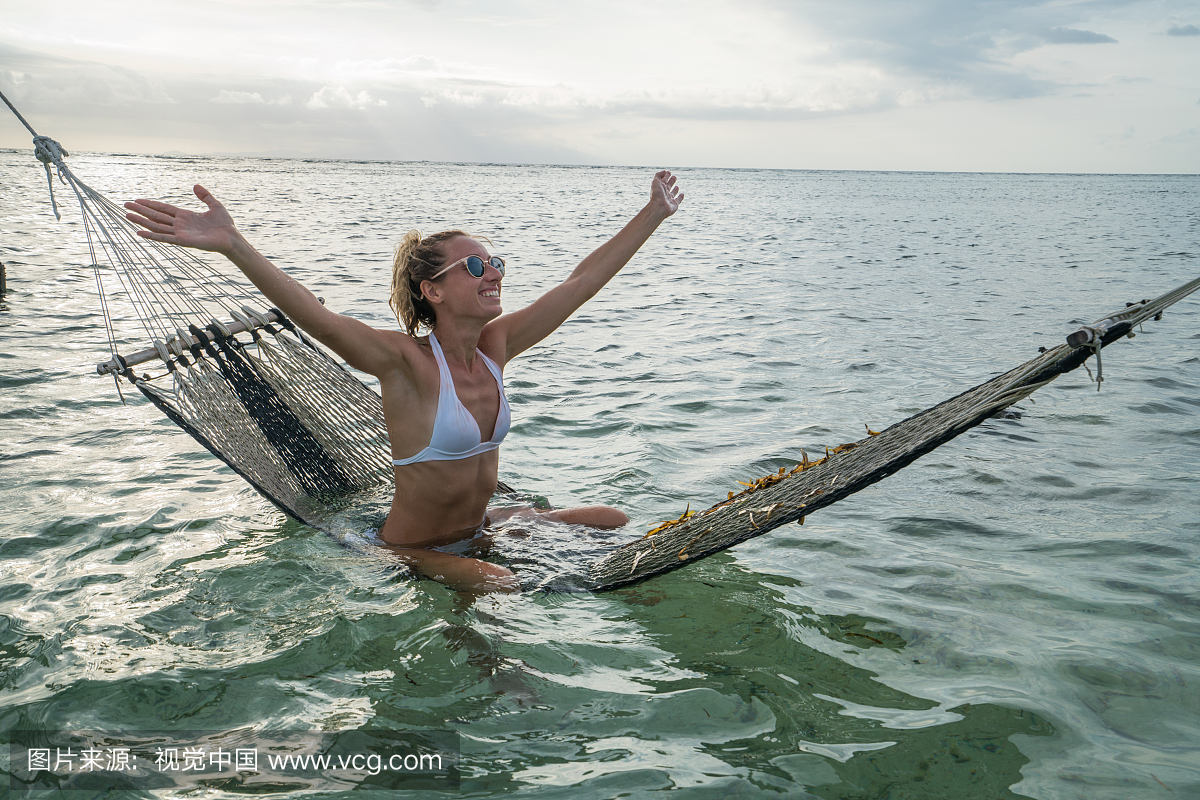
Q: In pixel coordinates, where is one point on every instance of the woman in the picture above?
(443, 396)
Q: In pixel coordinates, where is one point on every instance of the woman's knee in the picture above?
(591, 516)
(459, 573)
(495, 578)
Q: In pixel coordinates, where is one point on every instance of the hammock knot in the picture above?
(48, 151)
(163, 352)
(220, 329)
(283, 320)
(124, 369)
(203, 343)
(250, 320)
(175, 344)
(183, 340)
(260, 319)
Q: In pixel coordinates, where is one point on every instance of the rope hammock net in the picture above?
(239, 377)
(309, 436)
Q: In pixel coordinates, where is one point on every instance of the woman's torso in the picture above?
(442, 499)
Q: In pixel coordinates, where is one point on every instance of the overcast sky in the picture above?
(979, 85)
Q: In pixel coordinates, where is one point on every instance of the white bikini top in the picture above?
(455, 432)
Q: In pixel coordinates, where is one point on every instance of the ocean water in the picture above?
(1015, 615)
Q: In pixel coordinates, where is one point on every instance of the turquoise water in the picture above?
(1015, 615)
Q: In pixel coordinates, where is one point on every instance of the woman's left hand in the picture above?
(664, 193)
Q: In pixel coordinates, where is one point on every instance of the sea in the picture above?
(1014, 615)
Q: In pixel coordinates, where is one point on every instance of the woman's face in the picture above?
(461, 291)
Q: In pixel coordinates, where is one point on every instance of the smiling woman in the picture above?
(443, 393)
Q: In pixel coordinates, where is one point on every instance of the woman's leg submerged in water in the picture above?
(603, 517)
(473, 575)
(460, 573)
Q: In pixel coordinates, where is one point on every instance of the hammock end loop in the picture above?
(48, 151)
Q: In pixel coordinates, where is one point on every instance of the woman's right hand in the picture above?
(213, 230)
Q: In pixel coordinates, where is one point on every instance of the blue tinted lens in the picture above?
(475, 265)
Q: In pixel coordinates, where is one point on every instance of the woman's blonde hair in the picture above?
(417, 260)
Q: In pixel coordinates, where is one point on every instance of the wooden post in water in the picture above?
(3, 285)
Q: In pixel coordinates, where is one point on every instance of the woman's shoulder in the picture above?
(395, 349)
(410, 363)
(492, 343)
(415, 350)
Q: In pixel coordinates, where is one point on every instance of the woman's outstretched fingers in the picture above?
(148, 213)
(144, 214)
(163, 222)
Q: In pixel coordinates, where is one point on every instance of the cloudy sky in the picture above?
(990, 85)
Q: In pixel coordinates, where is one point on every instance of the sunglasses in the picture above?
(475, 266)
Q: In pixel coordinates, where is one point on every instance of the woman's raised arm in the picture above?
(360, 345)
(524, 328)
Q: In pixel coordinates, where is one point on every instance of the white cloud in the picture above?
(1076, 36)
(65, 81)
(233, 97)
(238, 98)
(382, 69)
(453, 97)
(337, 96)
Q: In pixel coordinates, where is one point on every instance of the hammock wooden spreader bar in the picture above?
(791, 496)
(118, 363)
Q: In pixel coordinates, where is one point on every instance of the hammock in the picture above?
(310, 437)
(237, 376)
(810, 486)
